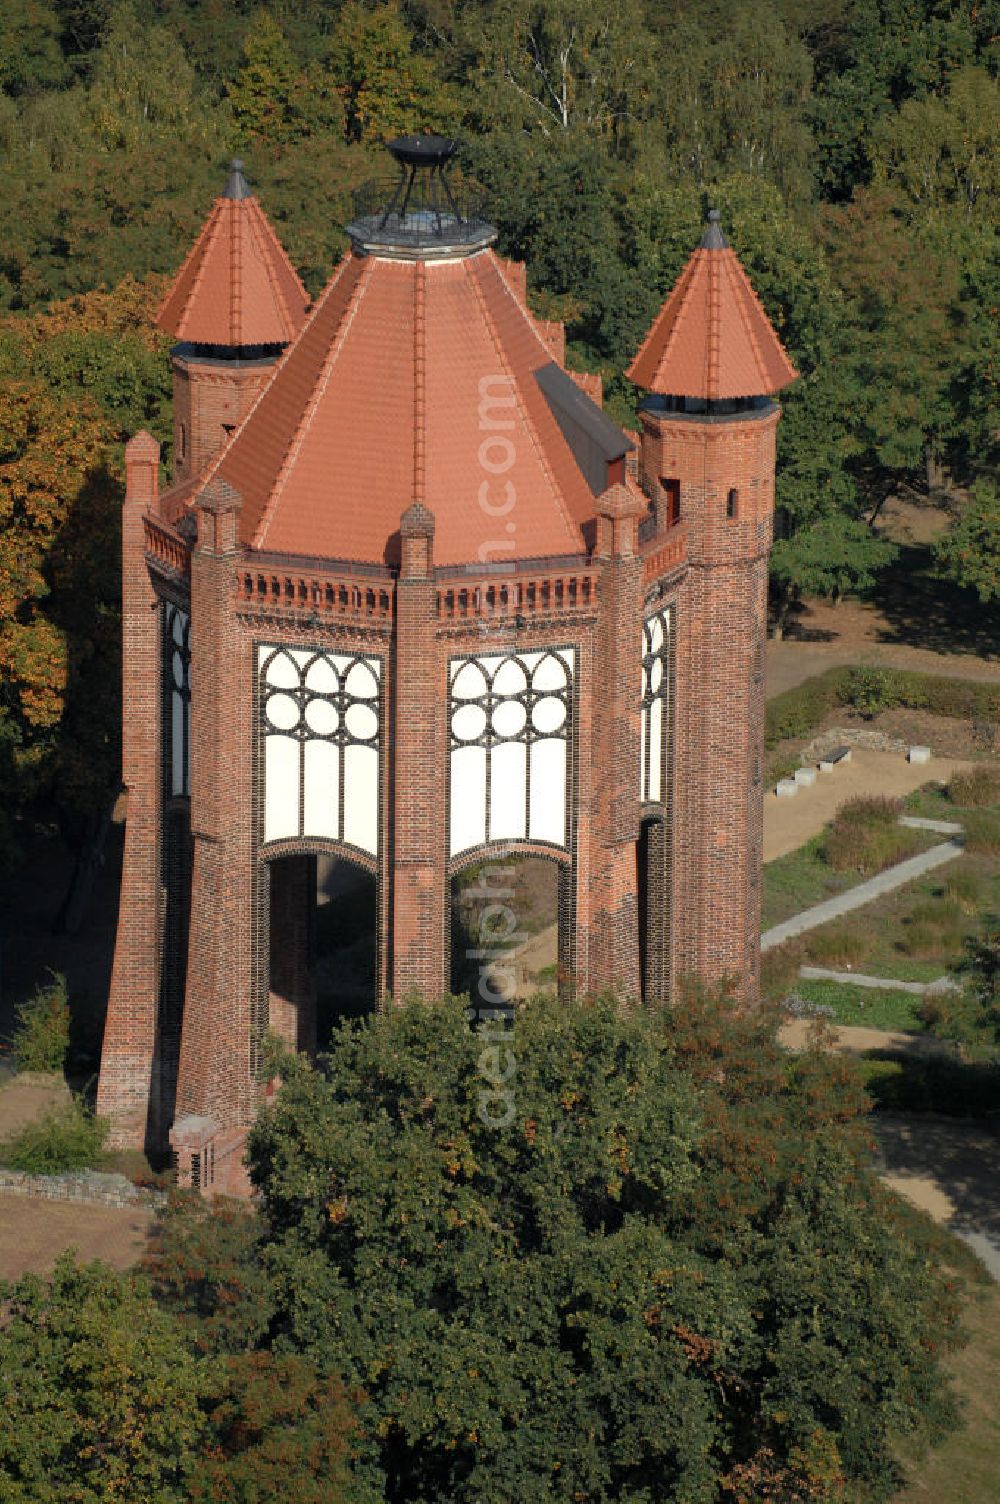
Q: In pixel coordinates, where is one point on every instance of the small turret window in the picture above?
(733, 504)
(672, 500)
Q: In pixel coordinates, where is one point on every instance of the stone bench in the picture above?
(805, 777)
(919, 754)
(830, 761)
(786, 788)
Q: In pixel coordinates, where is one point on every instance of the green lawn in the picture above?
(865, 1006)
(800, 880)
(803, 878)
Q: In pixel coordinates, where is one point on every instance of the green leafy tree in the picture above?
(100, 1399)
(274, 101)
(969, 552)
(834, 556)
(564, 67)
(971, 1017)
(30, 56)
(940, 151)
(664, 1271)
(388, 88)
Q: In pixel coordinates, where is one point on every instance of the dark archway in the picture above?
(510, 929)
(322, 924)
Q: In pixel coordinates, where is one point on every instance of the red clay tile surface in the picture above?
(712, 338)
(237, 286)
(413, 381)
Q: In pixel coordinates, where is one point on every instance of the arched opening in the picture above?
(321, 946)
(510, 928)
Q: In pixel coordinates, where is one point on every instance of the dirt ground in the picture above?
(25, 1098)
(789, 823)
(32, 1233)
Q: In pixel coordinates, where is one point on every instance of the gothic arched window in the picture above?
(510, 717)
(321, 717)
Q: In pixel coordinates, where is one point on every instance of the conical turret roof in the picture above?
(237, 286)
(418, 382)
(712, 338)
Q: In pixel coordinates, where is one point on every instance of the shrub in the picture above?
(798, 711)
(779, 969)
(971, 1018)
(976, 788)
(41, 1034)
(934, 930)
(871, 690)
(834, 945)
(870, 810)
(70, 1138)
(982, 832)
(865, 837)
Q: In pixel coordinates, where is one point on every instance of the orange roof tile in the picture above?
(412, 381)
(712, 338)
(237, 286)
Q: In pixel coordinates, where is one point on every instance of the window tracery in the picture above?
(320, 718)
(655, 703)
(510, 718)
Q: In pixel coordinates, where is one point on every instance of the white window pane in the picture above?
(643, 794)
(361, 798)
(321, 678)
(361, 681)
(510, 679)
(281, 788)
(655, 737)
(281, 671)
(550, 673)
(468, 680)
(547, 815)
(468, 798)
(321, 804)
(508, 792)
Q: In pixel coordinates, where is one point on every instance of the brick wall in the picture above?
(210, 397)
(719, 712)
(126, 1091)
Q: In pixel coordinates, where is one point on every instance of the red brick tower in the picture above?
(431, 621)
(234, 306)
(711, 363)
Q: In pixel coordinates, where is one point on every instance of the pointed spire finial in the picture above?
(236, 184)
(713, 238)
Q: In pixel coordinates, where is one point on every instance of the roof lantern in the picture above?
(237, 289)
(712, 340)
(421, 215)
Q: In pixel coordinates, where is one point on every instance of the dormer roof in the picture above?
(712, 339)
(237, 287)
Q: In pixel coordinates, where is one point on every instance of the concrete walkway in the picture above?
(884, 984)
(856, 898)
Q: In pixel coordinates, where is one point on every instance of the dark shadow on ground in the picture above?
(924, 611)
(962, 1158)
